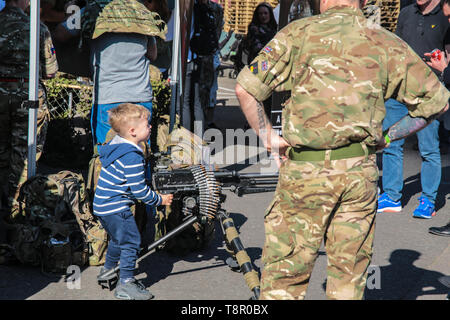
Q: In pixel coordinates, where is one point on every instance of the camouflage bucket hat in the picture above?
(129, 16)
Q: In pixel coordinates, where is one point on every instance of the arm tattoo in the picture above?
(261, 116)
(406, 127)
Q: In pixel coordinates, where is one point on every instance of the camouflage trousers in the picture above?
(314, 201)
(14, 138)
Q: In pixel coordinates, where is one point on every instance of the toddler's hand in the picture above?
(166, 199)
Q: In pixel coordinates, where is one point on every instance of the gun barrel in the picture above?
(234, 174)
(178, 188)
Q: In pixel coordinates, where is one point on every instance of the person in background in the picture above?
(261, 30)
(204, 43)
(424, 27)
(14, 84)
(120, 63)
(440, 63)
(209, 113)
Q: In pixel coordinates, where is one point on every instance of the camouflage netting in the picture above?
(69, 138)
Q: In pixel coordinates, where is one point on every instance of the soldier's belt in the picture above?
(350, 151)
(13, 79)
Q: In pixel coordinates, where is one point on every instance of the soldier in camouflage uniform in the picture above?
(340, 70)
(14, 70)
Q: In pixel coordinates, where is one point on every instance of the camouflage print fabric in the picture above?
(15, 46)
(14, 137)
(129, 16)
(14, 56)
(186, 147)
(340, 70)
(97, 238)
(314, 201)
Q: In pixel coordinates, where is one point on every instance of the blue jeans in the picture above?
(124, 243)
(393, 156)
(99, 119)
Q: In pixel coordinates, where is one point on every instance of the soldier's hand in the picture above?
(166, 199)
(278, 147)
(382, 144)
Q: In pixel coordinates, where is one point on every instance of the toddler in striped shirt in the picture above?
(121, 182)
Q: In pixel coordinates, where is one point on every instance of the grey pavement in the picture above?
(406, 264)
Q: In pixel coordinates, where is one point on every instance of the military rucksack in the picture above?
(55, 227)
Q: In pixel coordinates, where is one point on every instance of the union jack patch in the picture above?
(264, 66)
(267, 49)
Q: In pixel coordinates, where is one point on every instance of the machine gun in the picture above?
(198, 191)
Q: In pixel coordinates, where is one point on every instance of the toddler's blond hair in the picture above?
(125, 115)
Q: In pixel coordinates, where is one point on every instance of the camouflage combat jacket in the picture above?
(15, 46)
(340, 69)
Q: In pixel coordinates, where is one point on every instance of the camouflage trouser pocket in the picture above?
(370, 171)
(279, 243)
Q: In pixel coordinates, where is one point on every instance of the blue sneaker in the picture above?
(386, 204)
(425, 210)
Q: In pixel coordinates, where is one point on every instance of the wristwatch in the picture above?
(387, 139)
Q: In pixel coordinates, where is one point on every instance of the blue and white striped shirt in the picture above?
(122, 178)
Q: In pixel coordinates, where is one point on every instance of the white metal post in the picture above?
(33, 84)
(175, 72)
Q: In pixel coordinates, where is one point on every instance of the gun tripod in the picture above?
(240, 259)
(199, 191)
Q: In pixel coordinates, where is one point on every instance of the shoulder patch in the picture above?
(254, 68)
(264, 66)
(267, 49)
